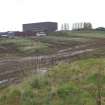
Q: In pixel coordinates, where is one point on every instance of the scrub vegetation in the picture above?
(22, 46)
(80, 83)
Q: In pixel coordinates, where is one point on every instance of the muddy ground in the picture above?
(14, 68)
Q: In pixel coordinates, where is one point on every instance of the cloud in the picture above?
(16, 12)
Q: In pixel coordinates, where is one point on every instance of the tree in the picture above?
(65, 26)
(87, 26)
(100, 29)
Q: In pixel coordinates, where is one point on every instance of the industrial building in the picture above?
(41, 27)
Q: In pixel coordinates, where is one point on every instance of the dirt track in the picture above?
(13, 69)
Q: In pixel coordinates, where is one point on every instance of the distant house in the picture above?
(45, 27)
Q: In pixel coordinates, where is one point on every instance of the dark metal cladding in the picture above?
(41, 26)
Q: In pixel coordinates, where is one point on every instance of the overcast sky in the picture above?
(13, 13)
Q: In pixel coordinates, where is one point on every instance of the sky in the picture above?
(14, 13)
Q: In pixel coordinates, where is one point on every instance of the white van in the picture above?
(41, 34)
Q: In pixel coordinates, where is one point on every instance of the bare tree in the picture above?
(65, 26)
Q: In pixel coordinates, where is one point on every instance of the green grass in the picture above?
(17, 41)
(85, 34)
(47, 44)
(65, 84)
(66, 39)
(94, 34)
(22, 46)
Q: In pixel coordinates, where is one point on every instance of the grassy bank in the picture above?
(84, 34)
(22, 46)
(78, 83)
